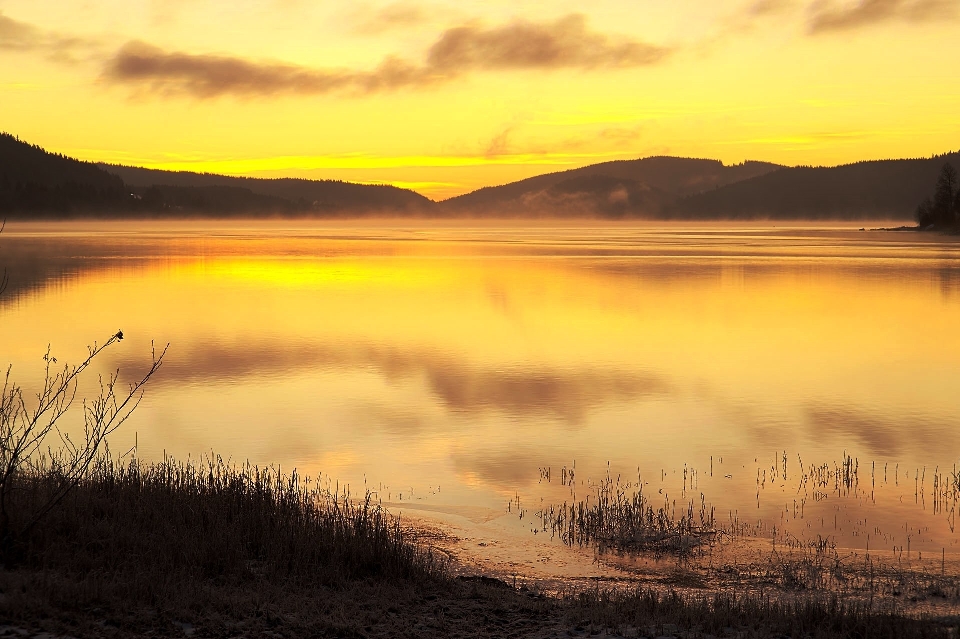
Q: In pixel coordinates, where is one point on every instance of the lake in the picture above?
(457, 370)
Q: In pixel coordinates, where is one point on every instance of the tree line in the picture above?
(943, 209)
(36, 183)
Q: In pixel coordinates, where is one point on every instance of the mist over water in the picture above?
(447, 367)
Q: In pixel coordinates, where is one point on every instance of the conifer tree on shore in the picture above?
(943, 210)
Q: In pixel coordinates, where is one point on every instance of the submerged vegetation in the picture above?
(727, 559)
(618, 518)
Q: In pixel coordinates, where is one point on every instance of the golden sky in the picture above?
(444, 97)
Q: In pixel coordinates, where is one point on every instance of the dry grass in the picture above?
(617, 518)
(213, 550)
(746, 615)
(140, 548)
(215, 522)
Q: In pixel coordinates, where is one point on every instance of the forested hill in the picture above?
(322, 196)
(32, 180)
(886, 189)
(629, 188)
(38, 184)
(35, 183)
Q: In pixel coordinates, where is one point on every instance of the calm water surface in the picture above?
(445, 367)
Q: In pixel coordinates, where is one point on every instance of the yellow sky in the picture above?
(445, 97)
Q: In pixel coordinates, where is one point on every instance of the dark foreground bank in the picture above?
(212, 550)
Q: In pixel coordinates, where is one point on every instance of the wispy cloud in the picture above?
(399, 15)
(769, 7)
(747, 20)
(621, 134)
(500, 144)
(617, 141)
(19, 36)
(24, 37)
(166, 12)
(566, 43)
(827, 16)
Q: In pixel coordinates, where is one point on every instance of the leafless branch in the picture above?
(24, 428)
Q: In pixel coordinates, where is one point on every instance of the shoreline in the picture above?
(215, 550)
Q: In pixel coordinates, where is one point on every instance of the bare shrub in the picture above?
(26, 428)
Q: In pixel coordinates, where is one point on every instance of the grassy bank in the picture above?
(174, 549)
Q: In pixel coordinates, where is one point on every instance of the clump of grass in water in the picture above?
(619, 519)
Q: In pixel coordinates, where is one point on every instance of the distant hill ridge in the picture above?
(32, 179)
(880, 189)
(324, 196)
(35, 183)
(622, 188)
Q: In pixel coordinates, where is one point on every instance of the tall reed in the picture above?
(215, 520)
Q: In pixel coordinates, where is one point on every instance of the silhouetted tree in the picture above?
(944, 194)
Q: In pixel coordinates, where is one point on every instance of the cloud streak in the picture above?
(563, 44)
(399, 15)
(18, 36)
(207, 76)
(769, 7)
(22, 37)
(566, 43)
(826, 17)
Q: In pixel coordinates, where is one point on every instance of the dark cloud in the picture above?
(563, 44)
(206, 76)
(826, 16)
(20, 36)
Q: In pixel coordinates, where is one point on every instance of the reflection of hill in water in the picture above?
(34, 264)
